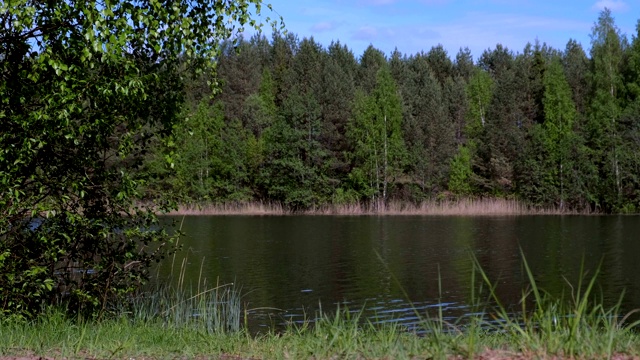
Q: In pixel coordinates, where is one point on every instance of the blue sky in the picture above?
(417, 25)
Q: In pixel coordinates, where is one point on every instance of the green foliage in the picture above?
(560, 114)
(461, 173)
(632, 80)
(210, 157)
(537, 172)
(335, 96)
(376, 135)
(498, 139)
(630, 129)
(555, 128)
(440, 64)
(84, 89)
(371, 62)
(257, 114)
(559, 109)
(603, 135)
(479, 93)
(576, 68)
(241, 61)
(292, 172)
(551, 169)
(428, 124)
(345, 197)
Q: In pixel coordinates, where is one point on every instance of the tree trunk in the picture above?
(386, 163)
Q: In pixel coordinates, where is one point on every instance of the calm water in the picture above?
(290, 266)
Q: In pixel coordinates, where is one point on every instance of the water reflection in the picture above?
(393, 267)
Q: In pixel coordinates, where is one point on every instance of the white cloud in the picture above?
(435, 2)
(319, 11)
(365, 33)
(323, 26)
(388, 2)
(614, 5)
(377, 2)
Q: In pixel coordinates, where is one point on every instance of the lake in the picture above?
(289, 267)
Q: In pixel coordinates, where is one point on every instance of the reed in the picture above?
(213, 308)
(235, 208)
(447, 207)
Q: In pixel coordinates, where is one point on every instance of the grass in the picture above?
(485, 206)
(331, 337)
(178, 305)
(578, 326)
(175, 324)
(214, 310)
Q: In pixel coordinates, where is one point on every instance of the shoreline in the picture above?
(459, 207)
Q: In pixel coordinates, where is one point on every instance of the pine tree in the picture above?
(336, 93)
(371, 62)
(429, 130)
(440, 64)
(576, 69)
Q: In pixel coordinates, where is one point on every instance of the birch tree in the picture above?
(84, 88)
(376, 134)
(559, 116)
(479, 94)
(607, 46)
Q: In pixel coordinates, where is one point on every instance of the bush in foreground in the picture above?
(85, 87)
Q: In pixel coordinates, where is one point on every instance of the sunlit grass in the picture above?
(330, 337)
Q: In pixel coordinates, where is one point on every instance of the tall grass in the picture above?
(213, 310)
(466, 206)
(575, 325)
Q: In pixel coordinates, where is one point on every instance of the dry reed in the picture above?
(245, 208)
(459, 207)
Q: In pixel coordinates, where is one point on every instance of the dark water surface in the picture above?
(391, 266)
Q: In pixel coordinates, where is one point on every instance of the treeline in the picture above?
(303, 125)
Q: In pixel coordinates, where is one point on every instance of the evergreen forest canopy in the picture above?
(306, 126)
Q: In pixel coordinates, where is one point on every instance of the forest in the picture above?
(306, 126)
